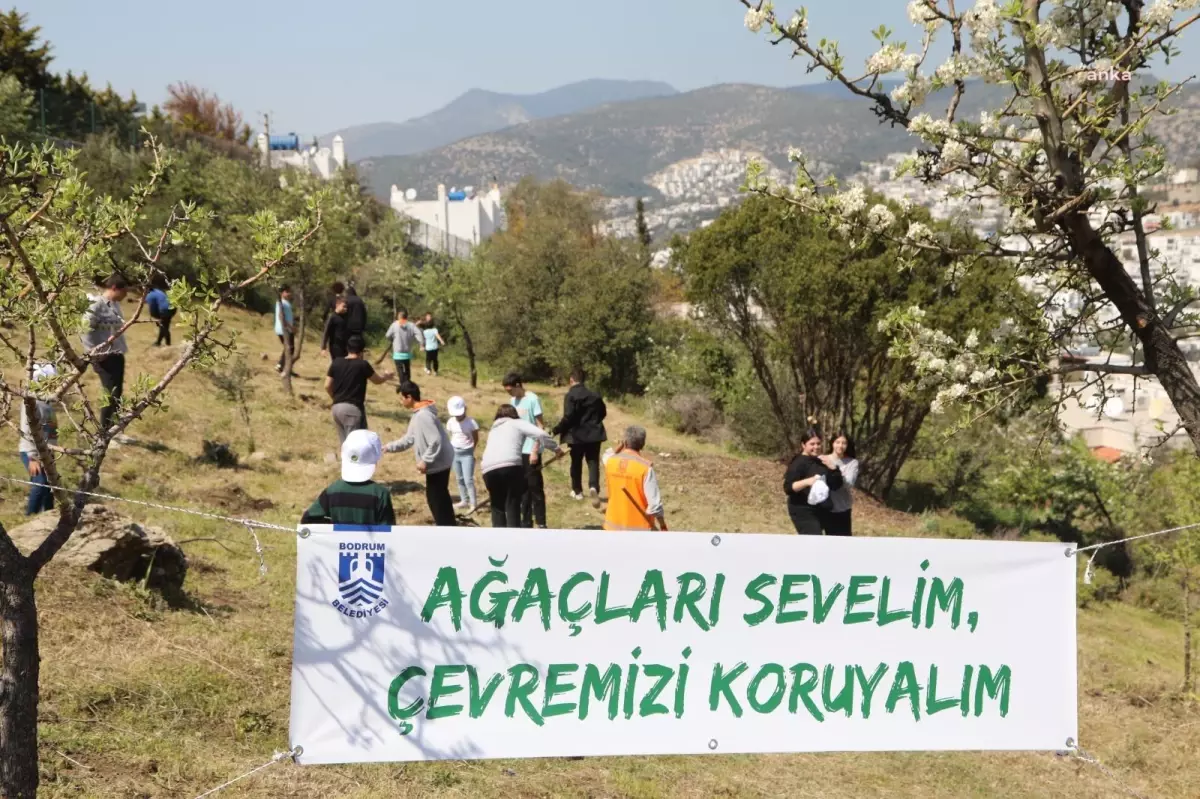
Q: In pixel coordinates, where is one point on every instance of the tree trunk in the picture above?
(18, 675)
(1163, 357)
(301, 322)
(470, 355)
(1187, 631)
(287, 361)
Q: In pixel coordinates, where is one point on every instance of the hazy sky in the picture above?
(318, 66)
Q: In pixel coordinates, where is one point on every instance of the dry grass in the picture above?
(143, 701)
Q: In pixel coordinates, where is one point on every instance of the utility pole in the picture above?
(267, 133)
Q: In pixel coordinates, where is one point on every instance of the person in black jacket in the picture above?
(356, 313)
(333, 341)
(582, 428)
(337, 290)
(804, 471)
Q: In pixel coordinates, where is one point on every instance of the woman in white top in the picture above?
(842, 498)
(502, 468)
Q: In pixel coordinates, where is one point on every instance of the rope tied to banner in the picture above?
(279, 757)
(1075, 753)
(1096, 548)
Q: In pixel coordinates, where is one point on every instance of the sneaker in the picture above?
(278, 368)
(426, 371)
(575, 495)
(595, 496)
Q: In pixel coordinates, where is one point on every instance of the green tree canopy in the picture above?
(560, 295)
(808, 309)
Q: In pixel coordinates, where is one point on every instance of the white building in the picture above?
(456, 222)
(321, 161)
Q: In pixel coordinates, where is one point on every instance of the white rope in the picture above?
(278, 758)
(1095, 548)
(249, 524)
(1075, 753)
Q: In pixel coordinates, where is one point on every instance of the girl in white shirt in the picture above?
(464, 436)
(841, 499)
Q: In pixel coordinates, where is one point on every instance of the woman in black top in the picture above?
(804, 471)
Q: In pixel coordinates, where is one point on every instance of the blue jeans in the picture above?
(464, 473)
(41, 498)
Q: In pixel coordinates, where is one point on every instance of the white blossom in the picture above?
(929, 128)
(890, 58)
(983, 19)
(918, 232)
(880, 218)
(794, 155)
(989, 125)
(798, 24)
(972, 340)
(956, 67)
(913, 91)
(935, 364)
(852, 200)
(919, 13)
(756, 18)
(955, 153)
(1158, 15)
(978, 378)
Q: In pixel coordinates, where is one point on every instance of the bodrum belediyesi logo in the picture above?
(361, 568)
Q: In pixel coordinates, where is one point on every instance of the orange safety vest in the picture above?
(626, 470)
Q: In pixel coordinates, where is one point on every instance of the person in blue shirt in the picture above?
(529, 409)
(285, 326)
(433, 340)
(160, 309)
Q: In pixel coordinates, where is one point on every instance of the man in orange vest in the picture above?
(634, 501)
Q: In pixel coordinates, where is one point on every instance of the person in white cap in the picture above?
(41, 498)
(355, 499)
(464, 437)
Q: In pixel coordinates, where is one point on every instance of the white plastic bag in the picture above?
(818, 493)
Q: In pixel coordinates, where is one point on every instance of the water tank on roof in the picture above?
(456, 196)
(289, 142)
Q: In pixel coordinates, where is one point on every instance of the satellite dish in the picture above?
(410, 195)
(1114, 408)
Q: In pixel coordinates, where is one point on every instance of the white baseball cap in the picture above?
(44, 371)
(457, 406)
(361, 451)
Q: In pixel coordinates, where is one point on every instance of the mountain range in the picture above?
(480, 111)
(617, 148)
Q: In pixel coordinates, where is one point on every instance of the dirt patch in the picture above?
(236, 500)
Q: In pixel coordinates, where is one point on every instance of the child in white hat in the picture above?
(464, 436)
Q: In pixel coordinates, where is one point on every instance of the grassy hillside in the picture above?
(140, 700)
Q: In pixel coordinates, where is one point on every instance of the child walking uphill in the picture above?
(464, 437)
(403, 334)
(433, 340)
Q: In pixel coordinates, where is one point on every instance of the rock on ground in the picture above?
(114, 545)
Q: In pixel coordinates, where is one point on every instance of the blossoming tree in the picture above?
(56, 236)
(1065, 153)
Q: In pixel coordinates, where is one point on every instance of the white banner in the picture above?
(420, 643)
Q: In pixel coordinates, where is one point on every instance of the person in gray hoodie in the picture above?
(403, 334)
(502, 468)
(429, 441)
